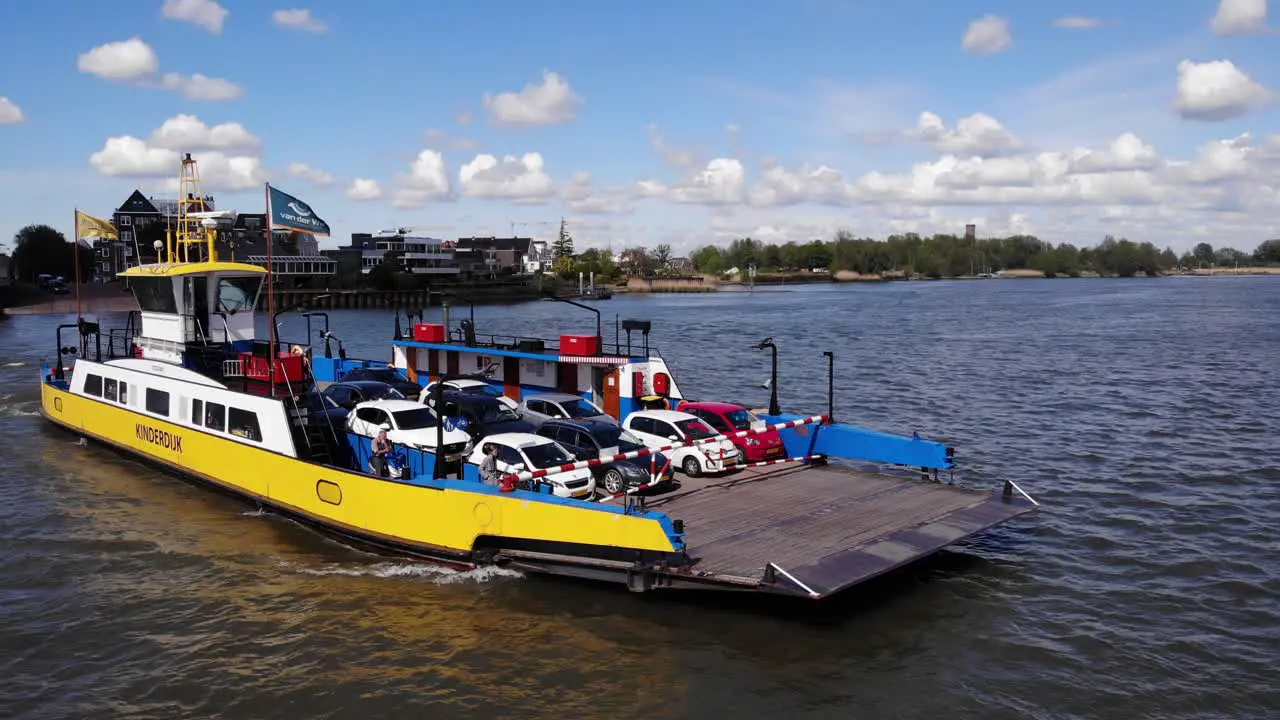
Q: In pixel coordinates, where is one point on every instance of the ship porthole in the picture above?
(329, 492)
(57, 404)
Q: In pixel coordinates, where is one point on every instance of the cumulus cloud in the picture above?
(227, 154)
(207, 14)
(363, 190)
(311, 174)
(987, 35)
(134, 62)
(522, 180)
(582, 196)
(1217, 90)
(721, 182)
(978, 133)
(187, 133)
(1240, 17)
(10, 113)
(298, 19)
(427, 181)
(547, 103)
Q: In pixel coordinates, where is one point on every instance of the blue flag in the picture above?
(290, 213)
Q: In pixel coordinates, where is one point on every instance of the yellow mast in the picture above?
(193, 230)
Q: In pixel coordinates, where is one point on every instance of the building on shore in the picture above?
(464, 257)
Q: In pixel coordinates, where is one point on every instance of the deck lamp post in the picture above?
(773, 377)
(831, 385)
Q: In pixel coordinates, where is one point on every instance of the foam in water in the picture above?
(439, 574)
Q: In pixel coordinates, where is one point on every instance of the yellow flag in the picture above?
(90, 226)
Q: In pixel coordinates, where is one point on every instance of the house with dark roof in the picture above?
(500, 256)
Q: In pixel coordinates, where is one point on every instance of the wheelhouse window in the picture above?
(109, 389)
(197, 412)
(155, 294)
(157, 402)
(93, 385)
(215, 416)
(238, 294)
(243, 423)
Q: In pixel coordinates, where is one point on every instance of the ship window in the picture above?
(244, 424)
(93, 385)
(157, 402)
(236, 294)
(197, 412)
(109, 389)
(215, 416)
(124, 393)
(155, 294)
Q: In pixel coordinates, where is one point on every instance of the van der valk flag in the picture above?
(288, 212)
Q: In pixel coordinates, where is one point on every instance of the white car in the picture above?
(518, 452)
(473, 387)
(412, 425)
(659, 428)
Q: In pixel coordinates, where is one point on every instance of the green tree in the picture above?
(39, 249)
(563, 246)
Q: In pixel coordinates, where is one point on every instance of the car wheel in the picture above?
(613, 482)
(691, 466)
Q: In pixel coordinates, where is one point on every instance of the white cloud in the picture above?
(310, 174)
(298, 19)
(10, 113)
(363, 190)
(551, 102)
(427, 181)
(522, 180)
(1240, 17)
(128, 156)
(979, 134)
(201, 87)
(1126, 152)
(987, 35)
(721, 182)
(187, 133)
(1078, 23)
(133, 61)
(1217, 90)
(208, 14)
(124, 60)
(779, 186)
(676, 157)
(581, 196)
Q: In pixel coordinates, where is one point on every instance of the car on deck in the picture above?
(472, 386)
(728, 418)
(522, 451)
(542, 407)
(478, 415)
(411, 425)
(349, 393)
(660, 428)
(590, 439)
(395, 377)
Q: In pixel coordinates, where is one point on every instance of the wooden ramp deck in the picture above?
(819, 529)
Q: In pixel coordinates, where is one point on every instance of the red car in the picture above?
(727, 418)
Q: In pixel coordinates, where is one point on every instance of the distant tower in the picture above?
(970, 232)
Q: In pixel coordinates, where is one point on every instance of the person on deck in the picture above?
(381, 449)
(489, 473)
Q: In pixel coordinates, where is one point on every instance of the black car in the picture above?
(394, 377)
(587, 439)
(483, 414)
(348, 393)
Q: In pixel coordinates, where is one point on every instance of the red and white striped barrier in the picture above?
(509, 481)
(762, 463)
(654, 479)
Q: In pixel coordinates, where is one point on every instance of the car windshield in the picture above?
(580, 408)
(489, 390)
(386, 375)
(696, 428)
(496, 413)
(385, 392)
(547, 455)
(619, 438)
(415, 419)
(740, 419)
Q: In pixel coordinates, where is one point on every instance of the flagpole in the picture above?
(75, 245)
(271, 294)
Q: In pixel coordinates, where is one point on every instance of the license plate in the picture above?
(773, 452)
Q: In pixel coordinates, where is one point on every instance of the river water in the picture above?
(1143, 414)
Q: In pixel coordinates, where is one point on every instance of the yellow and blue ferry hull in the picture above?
(441, 522)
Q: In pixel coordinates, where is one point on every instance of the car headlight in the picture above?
(752, 441)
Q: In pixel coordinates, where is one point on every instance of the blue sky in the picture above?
(671, 122)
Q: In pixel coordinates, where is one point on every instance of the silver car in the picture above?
(537, 409)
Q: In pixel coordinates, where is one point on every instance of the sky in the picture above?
(644, 123)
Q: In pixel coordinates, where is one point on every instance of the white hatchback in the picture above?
(518, 452)
(659, 428)
(412, 425)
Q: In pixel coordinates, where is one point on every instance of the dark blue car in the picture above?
(587, 439)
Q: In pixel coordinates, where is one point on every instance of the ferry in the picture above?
(188, 386)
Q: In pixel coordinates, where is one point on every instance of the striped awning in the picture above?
(591, 360)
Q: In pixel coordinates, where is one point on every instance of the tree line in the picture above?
(941, 256)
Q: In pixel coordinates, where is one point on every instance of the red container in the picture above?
(579, 345)
(288, 368)
(429, 332)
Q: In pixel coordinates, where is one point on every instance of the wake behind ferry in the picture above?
(605, 470)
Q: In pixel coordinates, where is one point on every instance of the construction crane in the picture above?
(561, 221)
